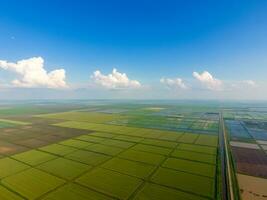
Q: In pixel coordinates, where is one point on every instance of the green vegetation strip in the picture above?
(14, 122)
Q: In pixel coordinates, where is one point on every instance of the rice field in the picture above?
(83, 155)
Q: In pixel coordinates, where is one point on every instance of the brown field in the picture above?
(40, 133)
(250, 161)
(252, 187)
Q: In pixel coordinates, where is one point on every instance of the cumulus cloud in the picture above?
(31, 73)
(207, 80)
(176, 83)
(115, 80)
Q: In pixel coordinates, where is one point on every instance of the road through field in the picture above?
(227, 186)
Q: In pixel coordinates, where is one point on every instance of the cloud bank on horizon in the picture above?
(31, 73)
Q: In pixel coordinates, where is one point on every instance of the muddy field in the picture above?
(252, 187)
(250, 161)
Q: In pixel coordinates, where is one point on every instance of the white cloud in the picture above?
(207, 80)
(176, 83)
(250, 83)
(115, 80)
(32, 74)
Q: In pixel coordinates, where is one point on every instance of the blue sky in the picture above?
(147, 40)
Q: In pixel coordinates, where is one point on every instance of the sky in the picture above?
(139, 49)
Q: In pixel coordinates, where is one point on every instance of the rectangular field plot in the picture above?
(9, 166)
(250, 161)
(76, 143)
(137, 169)
(64, 168)
(194, 156)
(32, 183)
(237, 130)
(244, 145)
(83, 116)
(157, 192)
(251, 185)
(31, 142)
(198, 148)
(190, 167)
(87, 157)
(58, 149)
(188, 138)
(10, 149)
(5, 194)
(128, 138)
(109, 182)
(90, 138)
(118, 143)
(209, 140)
(184, 181)
(258, 134)
(170, 136)
(145, 157)
(102, 134)
(34, 157)
(73, 191)
(105, 149)
(90, 126)
(152, 149)
(160, 143)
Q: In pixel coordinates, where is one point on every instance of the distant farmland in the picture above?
(97, 152)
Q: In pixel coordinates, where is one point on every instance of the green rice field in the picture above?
(84, 155)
